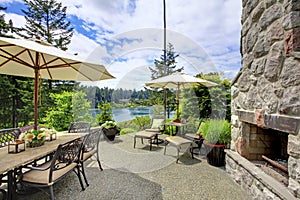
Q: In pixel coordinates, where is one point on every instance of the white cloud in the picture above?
(205, 33)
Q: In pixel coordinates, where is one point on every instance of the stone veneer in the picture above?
(266, 92)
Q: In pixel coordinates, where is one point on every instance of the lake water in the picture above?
(124, 114)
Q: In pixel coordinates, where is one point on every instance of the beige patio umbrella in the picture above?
(178, 80)
(36, 59)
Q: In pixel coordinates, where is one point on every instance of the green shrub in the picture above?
(216, 131)
(142, 122)
(105, 113)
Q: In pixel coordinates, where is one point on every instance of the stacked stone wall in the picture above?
(269, 80)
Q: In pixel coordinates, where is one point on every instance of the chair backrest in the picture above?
(91, 141)
(8, 135)
(77, 127)
(65, 155)
(157, 123)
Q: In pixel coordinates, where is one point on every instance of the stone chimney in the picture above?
(266, 92)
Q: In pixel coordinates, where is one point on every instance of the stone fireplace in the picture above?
(266, 100)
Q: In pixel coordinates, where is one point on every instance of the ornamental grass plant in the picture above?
(216, 131)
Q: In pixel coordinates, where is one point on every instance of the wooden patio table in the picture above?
(11, 162)
(177, 124)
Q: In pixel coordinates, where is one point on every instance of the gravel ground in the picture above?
(140, 174)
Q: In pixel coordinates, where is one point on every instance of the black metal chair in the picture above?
(90, 148)
(7, 136)
(64, 161)
(196, 138)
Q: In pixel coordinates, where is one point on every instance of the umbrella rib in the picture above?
(65, 65)
(102, 71)
(14, 58)
(43, 57)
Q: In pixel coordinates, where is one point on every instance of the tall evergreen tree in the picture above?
(162, 69)
(6, 29)
(46, 19)
(11, 101)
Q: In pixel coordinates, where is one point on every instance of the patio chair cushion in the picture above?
(87, 155)
(178, 141)
(145, 134)
(42, 177)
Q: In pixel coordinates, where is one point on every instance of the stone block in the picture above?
(244, 81)
(291, 20)
(290, 75)
(261, 47)
(258, 11)
(294, 187)
(241, 146)
(275, 33)
(274, 62)
(270, 15)
(292, 39)
(259, 118)
(258, 66)
(251, 39)
(291, 5)
(294, 146)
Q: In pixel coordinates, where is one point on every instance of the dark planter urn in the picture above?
(110, 133)
(215, 154)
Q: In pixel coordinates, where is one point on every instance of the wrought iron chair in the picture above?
(7, 136)
(64, 161)
(90, 148)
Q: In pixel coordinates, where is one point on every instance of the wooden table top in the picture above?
(176, 124)
(10, 161)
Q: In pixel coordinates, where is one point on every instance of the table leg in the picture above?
(10, 185)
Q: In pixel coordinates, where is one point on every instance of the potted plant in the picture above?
(217, 135)
(110, 129)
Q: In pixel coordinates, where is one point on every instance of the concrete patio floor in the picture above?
(142, 174)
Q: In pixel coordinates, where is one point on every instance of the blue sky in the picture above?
(126, 35)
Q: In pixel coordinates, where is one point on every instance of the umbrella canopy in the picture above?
(36, 59)
(178, 80)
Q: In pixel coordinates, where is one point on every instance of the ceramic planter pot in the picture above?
(110, 133)
(215, 153)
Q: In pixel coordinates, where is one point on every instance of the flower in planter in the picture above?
(111, 125)
(34, 137)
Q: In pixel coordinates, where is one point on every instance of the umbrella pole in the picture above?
(36, 82)
(36, 88)
(177, 99)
